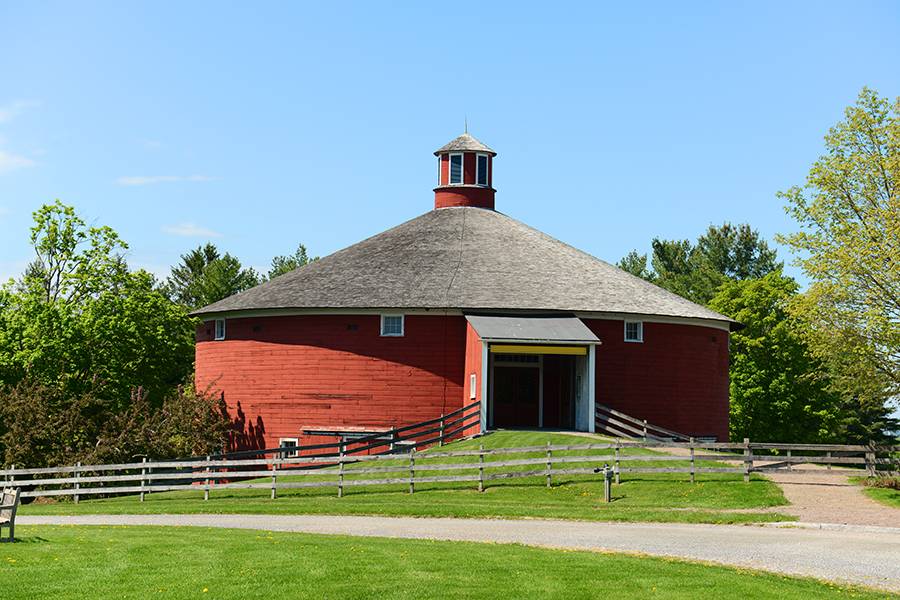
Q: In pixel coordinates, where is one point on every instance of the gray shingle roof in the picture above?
(532, 328)
(464, 143)
(463, 258)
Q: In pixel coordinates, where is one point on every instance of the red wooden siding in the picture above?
(280, 375)
(676, 378)
(473, 366)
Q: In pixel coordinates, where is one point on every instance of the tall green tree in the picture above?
(286, 264)
(849, 247)
(79, 331)
(778, 389)
(205, 276)
(80, 319)
(696, 270)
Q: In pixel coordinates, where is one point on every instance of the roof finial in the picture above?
(466, 124)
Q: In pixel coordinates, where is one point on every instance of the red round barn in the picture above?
(462, 304)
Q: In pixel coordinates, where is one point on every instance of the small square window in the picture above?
(288, 443)
(392, 325)
(473, 386)
(456, 168)
(220, 329)
(481, 170)
(634, 331)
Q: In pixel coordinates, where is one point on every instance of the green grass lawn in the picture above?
(714, 498)
(884, 495)
(63, 562)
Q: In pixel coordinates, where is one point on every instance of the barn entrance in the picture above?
(535, 371)
(535, 388)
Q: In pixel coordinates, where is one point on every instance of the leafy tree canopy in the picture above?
(205, 276)
(286, 264)
(849, 247)
(695, 271)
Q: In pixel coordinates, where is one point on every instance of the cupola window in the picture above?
(456, 169)
(481, 170)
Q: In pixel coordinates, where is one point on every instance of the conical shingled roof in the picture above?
(463, 258)
(464, 143)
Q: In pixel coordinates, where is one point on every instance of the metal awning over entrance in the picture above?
(532, 330)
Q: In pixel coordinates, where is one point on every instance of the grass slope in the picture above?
(715, 498)
(884, 495)
(63, 562)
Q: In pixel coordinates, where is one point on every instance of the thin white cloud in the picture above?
(10, 111)
(190, 230)
(154, 179)
(11, 162)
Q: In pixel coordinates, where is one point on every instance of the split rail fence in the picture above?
(479, 467)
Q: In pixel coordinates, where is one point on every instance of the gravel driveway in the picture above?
(864, 555)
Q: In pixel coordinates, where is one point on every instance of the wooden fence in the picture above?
(210, 474)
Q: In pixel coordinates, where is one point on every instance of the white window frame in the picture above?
(473, 386)
(640, 326)
(487, 169)
(216, 336)
(462, 169)
(289, 454)
(440, 160)
(402, 325)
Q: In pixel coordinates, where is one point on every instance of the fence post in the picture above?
(617, 460)
(143, 474)
(149, 479)
(481, 468)
(870, 459)
(748, 460)
(645, 430)
(692, 460)
(77, 485)
(412, 470)
(441, 438)
(341, 470)
(790, 465)
(12, 476)
(549, 465)
(206, 486)
(274, 473)
(828, 456)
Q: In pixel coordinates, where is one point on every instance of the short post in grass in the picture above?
(692, 460)
(748, 460)
(481, 468)
(828, 456)
(549, 465)
(206, 485)
(789, 466)
(77, 484)
(275, 458)
(441, 438)
(143, 474)
(341, 451)
(412, 470)
(617, 461)
(607, 480)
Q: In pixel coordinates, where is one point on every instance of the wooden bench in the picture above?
(8, 506)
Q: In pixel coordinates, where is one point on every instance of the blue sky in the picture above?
(261, 125)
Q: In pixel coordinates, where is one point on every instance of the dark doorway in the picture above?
(559, 391)
(516, 396)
